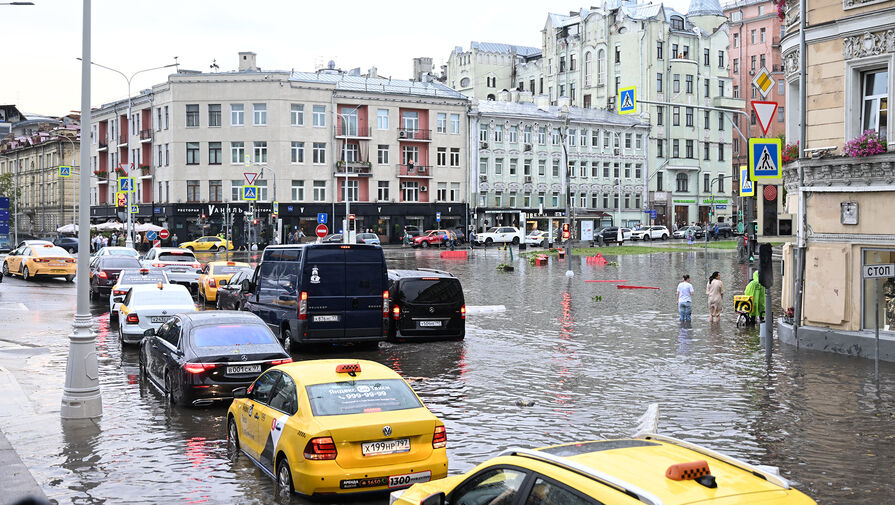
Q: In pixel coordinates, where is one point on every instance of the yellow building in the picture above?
(849, 202)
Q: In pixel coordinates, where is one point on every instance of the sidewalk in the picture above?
(15, 479)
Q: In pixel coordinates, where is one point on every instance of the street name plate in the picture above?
(878, 271)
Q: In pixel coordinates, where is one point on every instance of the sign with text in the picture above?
(878, 271)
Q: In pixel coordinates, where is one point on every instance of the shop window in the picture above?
(878, 294)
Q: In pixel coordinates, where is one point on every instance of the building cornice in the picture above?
(842, 174)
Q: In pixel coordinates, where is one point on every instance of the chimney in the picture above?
(503, 96)
(563, 101)
(525, 97)
(247, 62)
(542, 101)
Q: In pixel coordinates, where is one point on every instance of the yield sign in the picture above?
(765, 112)
(250, 177)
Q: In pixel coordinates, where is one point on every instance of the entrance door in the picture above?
(704, 214)
(681, 214)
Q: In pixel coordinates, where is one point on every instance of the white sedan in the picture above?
(148, 306)
(130, 277)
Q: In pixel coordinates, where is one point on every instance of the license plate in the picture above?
(233, 370)
(431, 324)
(59, 263)
(178, 270)
(385, 447)
(159, 319)
(409, 478)
(326, 319)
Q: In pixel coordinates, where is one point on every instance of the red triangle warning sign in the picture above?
(765, 112)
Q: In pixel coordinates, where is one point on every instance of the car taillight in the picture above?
(396, 312)
(133, 318)
(119, 291)
(385, 304)
(439, 438)
(280, 361)
(303, 306)
(158, 265)
(70, 260)
(41, 260)
(198, 367)
(211, 283)
(195, 265)
(463, 311)
(102, 274)
(320, 448)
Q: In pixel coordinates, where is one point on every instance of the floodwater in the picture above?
(567, 361)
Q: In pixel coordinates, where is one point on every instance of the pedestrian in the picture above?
(715, 233)
(620, 237)
(174, 240)
(690, 236)
(756, 291)
(714, 290)
(685, 298)
(146, 244)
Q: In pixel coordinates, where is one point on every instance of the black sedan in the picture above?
(70, 244)
(199, 358)
(232, 293)
(104, 272)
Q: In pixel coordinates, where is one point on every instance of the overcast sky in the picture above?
(40, 73)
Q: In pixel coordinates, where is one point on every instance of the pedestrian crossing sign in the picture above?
(125, 184)
(747, 187)
(765, 159)
(249, 192)
(627, 100)
(64, 171)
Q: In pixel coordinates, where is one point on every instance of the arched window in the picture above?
(601, 67)
(492, 97)
(588, 67)
(464, 82)
(682, 182)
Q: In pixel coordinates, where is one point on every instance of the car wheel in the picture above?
(489, 242)
(232, 438)
(664, 237)
(142, 361)
(286, 332)
(221, 248)
(189, 247)
(6, 270)
(544, 243)
(26, 274)
(71, 250)
(647, 238)
(424, 244)
(69, 278)
(515, 240)
(284, 479)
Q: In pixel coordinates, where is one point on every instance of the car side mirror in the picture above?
(433, 499)
(240, 393)
(149, 333)
(141, 257)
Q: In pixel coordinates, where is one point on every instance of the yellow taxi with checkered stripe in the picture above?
(652, 469)
(327, 427)
(213, 273)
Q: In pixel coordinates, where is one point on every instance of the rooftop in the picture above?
(377, 85)
(552, 113)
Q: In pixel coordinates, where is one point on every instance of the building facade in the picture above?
(847, 201)
(395, 149)
(486, 68)
(537, 162)
(755, 35)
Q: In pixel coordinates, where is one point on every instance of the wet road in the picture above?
(590, 368)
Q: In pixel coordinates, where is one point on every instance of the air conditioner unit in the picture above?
(484, 145)
(528, 179)
(402, 134)
(424, 188)
(483, 178)
(528, 147)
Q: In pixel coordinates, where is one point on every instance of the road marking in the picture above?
(13, 306)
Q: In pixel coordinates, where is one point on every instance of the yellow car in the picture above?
(208, 244)
(212, 274)
(652, 469)
(336, 427)
(45, 259)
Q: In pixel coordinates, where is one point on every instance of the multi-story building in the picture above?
(395, 149)
(538, 161)
(847, 201)
(755, 33)
(486, 68)
(678, 63)
(46, 199)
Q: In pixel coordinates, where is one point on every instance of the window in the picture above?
(298, 152)
(441, 191)
(721, 183)
(660, 116)
(720, 88)
(705, 150)
(158, 121)
(689, 84)
(513, 134)
(706, 56)
(192, 116)
(235, 190)
(762, 61)
(298, 191)
(382, 154)
(674, 51)
(237, 152)
(736, 40)
(752, 63)
(736, 65)
(555, 168)
(780, 114)
(441, 157)
(761, 13)
(381, 119)
(319, 116)
(571, 62)
(237, 114)
(638, 171)
(573, 137)
(761, 34)
(781, 86)
(689, 148)
(615, 170)
(628, 139)
(319, 153)
(677, 23)
(736, 146)
(215, 191)
(526, 167)
(349, 190)
(720, 121)
(705, 119)
(555, 137)
(660, 50)
(542, 168)
(638, 142)
(455, 124)
(514, 163)
(682, 182)
(686, 52)
(297, 116)
(618, 54)
(689, 116)
(192, 191)
(874, 102)
(455, 156)
(441, 122)
(259, 152)
(752, 119)
(752, 36)
(498, 133)
(659, 82)
(675, 116)
(542, 135)
(382, 191)
(192, 153)
(214, 115)
(319, 191)
(627, 170)
(720, 59)
(215, 155)
(675, 148)
(158, 157)
(676, 83)
(736, 91)
(706, 183)
(720, 152)
(167, 156)
(410, 191)
(659, 181)
(601, 68)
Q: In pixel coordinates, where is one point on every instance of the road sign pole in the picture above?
(876, 359)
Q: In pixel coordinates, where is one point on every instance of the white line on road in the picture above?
(13, 306)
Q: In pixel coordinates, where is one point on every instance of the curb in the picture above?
(15, 478)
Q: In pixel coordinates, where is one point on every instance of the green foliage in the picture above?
(505, 268)
(8, 189)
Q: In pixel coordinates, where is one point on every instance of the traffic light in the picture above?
(765, 268)
(254, 221)
(565, 231)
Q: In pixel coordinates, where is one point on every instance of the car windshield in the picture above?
(120, 263)
(232, 334)
(124, 251)
(184, 257)
(361, 397)
(492, 230)
(49, 251)
(225, 269)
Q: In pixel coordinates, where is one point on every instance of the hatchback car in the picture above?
(350, 427)
(148, 306)
(653, 469)
(426, 305)
(198, 359)
(368, 238)
(210, 243)
(541, 237)
(40, 259)
(433, 238)
(332, 238)
(181, 265)
(233, 293)
(213, 273)
(696, 231)
(130, 277)
(104, 273)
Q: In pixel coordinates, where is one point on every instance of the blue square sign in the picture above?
(321, 217)
(627, 100)
(765, 158)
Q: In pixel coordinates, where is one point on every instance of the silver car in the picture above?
(148, 306)
(181, 265)
(130, 277)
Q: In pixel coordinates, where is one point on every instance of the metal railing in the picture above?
(353, 130)
(145, 134)
(414, 171)
(414, 134)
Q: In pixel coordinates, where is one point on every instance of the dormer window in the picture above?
(677, 23)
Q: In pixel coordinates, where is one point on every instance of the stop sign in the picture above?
(163, 234)
(322, 230)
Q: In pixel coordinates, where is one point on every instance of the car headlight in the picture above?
(393, 497)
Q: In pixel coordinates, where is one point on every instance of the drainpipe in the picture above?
(332, 156)
(803, 222)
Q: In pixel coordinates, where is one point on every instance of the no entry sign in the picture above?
(163, 234)
(322, 230)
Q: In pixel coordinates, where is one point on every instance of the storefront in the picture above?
(878, 295)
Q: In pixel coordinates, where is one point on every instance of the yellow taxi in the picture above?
(213, 273)
(44, 259)
(652, 469)
(208, 244)
(326, 427)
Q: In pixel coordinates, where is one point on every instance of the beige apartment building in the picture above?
(395, 149)
(848, 201)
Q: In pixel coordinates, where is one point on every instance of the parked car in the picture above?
(200, 358)
(461, 235)
(117, 251)
(104, 273)
(332, 238)
(426, 304)
(650, 233)
(181, 265)
(724, 230)
(209, 243)
(683, 232)
(130, 277)
(432, 238)
(322, 293)
(541, 237)
(40, 259)
(499, 235)
(148, 306)
(213, 274)
(232, 294)
(610, 234)
(70, 244)
(368, 238)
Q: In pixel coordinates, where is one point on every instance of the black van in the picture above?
(322, 293)
(426, 304)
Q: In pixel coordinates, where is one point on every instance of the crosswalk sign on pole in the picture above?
(747, 187)
(765, 159)
(64, 171)
(249, 192)
(135, 209)
(627, 100)
(126, 184)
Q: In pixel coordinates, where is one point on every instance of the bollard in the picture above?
(561, 253)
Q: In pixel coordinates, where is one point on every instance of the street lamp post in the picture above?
(62, 182)
(129, 240)
(346, 235)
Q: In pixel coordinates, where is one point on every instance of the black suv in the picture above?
(426, 304)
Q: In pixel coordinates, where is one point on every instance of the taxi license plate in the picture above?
(158, 319)
(233, 370)
(430, 324)
(326, 319)
(385, 447)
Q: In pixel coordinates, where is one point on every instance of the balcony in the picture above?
(414, 134)
(855, 174)
(359, 131)
(359, 168)
(775, 41)
(724, 102)
(103, 146)
(420, 171)
(145, 136)
(122, 139)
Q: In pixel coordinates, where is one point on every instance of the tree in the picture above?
(8, 189)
